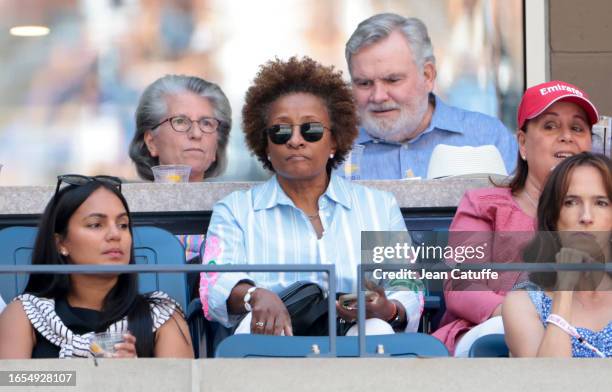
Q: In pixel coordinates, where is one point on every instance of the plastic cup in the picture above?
(103, 344)
(351, 167)
(171, 173)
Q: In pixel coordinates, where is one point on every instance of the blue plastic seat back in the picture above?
(491, 346)
(434, 300)
(396, 345)
(151, 246)
(16, 244)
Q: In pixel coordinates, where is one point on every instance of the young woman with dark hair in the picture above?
(88, 222)
(567, 314)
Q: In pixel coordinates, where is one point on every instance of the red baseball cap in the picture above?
(539, 97)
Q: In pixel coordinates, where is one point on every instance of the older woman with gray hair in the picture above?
(182, 120)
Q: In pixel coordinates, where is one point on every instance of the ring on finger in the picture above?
(260, 324)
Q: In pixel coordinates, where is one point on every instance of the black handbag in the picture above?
(307, 307)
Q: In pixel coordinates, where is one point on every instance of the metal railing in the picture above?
(328, 269)
(441, 266)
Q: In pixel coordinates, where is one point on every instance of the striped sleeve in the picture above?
(396, 219)
(162, 308)
(225, 228)
(411, 293)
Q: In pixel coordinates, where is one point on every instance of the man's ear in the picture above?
(149, 140)
(429, 74)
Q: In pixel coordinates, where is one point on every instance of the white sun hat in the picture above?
(448, 161)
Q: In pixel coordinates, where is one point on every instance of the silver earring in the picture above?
(524, 157)
(331, 156)
(64, 252)
(268, 157)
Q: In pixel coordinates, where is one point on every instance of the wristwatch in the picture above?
(396, 322)
(247, 298)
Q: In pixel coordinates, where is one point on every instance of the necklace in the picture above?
(530, 199)
(313, 217)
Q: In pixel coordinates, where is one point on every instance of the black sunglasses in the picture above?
(78, 180)
(281, 133)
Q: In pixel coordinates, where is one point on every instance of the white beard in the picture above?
(398, 130)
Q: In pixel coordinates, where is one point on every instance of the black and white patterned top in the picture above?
(49, 325)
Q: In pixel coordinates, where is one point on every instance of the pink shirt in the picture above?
(484, 210)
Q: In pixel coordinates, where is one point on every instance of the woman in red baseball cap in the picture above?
(554, 122)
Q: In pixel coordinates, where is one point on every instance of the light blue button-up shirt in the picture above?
(263, 226)
(450, 125)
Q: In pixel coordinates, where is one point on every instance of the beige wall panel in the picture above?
(592, 72)
(580, 25)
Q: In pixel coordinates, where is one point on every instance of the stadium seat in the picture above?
(151, 246)
(396, 345)
(434, 306)
(157, 246)
(489, 346)
(16, 245)
(202, 331)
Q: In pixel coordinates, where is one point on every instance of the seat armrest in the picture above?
(198, 328)
(194, 309)
(432, 302)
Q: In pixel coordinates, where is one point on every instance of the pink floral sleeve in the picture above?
(212, 251)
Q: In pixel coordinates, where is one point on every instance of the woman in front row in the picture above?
(555, 120)
(569, 315)
(88, 222)
(300, 122)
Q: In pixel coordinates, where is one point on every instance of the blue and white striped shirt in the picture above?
(263, 226)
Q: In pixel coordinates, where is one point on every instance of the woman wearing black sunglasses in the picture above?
(299, 120)
(88, 222)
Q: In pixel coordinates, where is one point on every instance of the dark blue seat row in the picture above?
(151, 246)
(396, 345)
(489, 346)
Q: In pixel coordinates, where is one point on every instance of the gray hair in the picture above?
(380, 26)
(152, 109)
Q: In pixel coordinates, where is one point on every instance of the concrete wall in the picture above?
(143, 197)
(581, 47)
(320, 375)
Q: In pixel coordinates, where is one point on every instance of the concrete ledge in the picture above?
(338, 375)
(149, 197)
